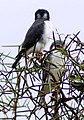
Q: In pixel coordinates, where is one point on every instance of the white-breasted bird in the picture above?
(53, 68)
(37, 36)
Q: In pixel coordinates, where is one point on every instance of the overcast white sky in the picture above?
(16, 16)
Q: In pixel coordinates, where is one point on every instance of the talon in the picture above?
(39, 56)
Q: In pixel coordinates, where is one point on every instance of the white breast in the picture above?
(47, 35)
(57, 59)
(47, 31)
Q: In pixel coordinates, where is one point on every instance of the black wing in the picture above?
(33, 35)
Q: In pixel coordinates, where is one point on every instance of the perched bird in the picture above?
(54, 67)
(37, 36)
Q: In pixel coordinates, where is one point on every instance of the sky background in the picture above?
(16, 16)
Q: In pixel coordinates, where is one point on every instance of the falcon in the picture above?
(37, 36)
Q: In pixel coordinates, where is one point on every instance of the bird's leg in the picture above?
(39, 56)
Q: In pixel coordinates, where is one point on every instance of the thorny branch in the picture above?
(19, 88)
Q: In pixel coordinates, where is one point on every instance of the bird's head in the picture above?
(57, 44)
(42, 14)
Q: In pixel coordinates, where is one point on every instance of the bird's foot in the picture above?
(39, 56)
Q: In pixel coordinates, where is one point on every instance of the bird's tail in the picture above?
(42, 102)
(18, 57)
(42, 93)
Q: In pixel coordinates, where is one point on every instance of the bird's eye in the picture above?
(59, 46)
(38, 16)
(45, 16)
